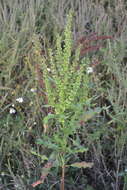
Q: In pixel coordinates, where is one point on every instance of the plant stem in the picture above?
(62, 178)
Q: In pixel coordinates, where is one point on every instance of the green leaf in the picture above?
(48, 117)
(48, 143)
(81, 150)
(43, 157)
(82, 164)
(46, 106)
(90, 114)
(78, 148)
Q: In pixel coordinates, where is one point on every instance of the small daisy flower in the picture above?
(20, 99)
(12, 111)
(89, 70)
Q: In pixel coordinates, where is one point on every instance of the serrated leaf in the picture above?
(82, 164)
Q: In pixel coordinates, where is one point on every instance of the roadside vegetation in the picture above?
(63, 94)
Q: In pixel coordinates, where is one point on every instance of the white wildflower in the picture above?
(16, 185)
(2, 174)
(20, 99)
(33, 89)
(12, 111)
(30, 128)
(89, 70)
(48, 69)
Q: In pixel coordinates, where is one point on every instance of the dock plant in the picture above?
(67, 92)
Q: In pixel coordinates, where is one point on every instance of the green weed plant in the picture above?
(68, 94)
